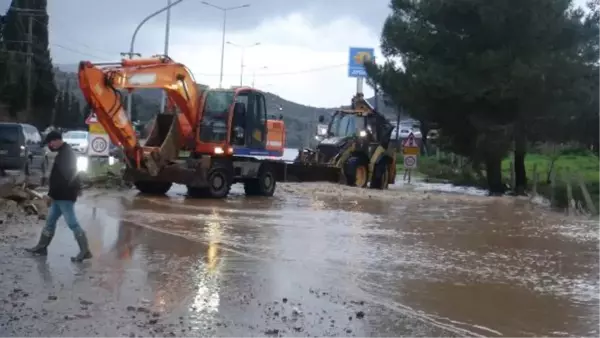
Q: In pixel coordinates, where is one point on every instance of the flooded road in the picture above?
(317, 259)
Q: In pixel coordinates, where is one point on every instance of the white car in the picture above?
(405, 130)
(78, 140)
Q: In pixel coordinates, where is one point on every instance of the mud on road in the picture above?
(319, 260)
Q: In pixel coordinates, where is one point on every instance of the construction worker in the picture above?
(64, 188)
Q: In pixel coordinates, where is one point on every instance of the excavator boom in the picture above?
(101, 85)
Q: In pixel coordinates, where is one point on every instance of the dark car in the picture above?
(20, 144)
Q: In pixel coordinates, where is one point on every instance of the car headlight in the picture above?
(82, 163)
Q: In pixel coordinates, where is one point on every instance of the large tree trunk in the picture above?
(519, 164)
(493, 168)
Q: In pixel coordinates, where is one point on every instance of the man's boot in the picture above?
(84, 250)
(41, 248)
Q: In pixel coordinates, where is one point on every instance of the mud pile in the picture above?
(105, 180)
(18, 197)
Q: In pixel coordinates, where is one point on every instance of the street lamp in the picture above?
(254, 74)
(243, 48)
(137, 29)
(163, 99)
(224, 10)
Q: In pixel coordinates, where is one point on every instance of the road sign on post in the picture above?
(99, 145)
(92, 118)
(410, 145)
(356, 62)
(96, 128)
(410, 161)
(410, 150)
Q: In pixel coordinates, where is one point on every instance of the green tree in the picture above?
(477, 69)
(15, 43)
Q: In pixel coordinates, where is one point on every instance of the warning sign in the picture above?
(99, 145)
(410, 142)
(96, 128)
(92, 118)
(410, 145)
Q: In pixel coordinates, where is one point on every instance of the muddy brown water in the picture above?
(327, 260)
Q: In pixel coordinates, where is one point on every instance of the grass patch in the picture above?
(568, 165)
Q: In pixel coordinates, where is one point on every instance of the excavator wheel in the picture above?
(357, 172)
(220, 179)
(263, 185)
(153, 187)
(381, 177)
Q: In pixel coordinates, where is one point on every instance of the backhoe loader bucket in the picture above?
(163, 144)
(299, 172)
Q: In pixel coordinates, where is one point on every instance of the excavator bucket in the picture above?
(163, 144)
(299, 172)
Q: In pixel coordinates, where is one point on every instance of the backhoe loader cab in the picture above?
(357, 142)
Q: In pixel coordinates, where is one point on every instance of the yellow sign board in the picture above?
(96, 128)
(410, 151)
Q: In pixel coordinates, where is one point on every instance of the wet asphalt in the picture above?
(315, 260)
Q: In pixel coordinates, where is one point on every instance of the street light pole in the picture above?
(243, 50)
(163, 100)
(224, 10)
(131, 53)
(254, 74)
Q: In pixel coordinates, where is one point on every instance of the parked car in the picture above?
(78, 140)
(20, 147)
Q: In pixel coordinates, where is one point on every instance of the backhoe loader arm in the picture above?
(100, 84)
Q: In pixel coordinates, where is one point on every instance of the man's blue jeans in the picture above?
(66, 209)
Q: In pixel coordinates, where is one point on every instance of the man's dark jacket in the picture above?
(64, 181)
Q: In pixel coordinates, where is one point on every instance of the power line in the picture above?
(298, 72)
(70, 49)
(310, 70)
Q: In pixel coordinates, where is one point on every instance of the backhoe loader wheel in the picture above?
(152, 187)
(219, 182)
(263, 185)
(357, 172)
(381, 177)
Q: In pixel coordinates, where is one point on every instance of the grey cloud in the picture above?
(102, 28)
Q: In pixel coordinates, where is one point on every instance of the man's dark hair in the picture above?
(53, 136)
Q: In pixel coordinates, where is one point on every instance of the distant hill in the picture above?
(300, 119)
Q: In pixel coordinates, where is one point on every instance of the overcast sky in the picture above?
(303, 43)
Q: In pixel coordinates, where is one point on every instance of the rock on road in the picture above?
(316, 259)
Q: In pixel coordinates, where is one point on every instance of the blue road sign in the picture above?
(358, 55)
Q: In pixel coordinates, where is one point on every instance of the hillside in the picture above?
(300, 119)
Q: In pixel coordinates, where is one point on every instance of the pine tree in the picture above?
(44, 91)
(13, 84)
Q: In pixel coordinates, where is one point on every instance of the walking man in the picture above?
(64, 188)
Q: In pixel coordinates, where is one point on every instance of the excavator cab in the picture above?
(234, 122)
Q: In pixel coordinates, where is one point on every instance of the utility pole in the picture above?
(30, 13)
(29, 63)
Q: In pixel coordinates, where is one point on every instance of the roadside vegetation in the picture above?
(544, 164)
(499, 82)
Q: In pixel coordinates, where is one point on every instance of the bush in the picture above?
(441, 171)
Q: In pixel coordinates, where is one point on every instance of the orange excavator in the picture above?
(208, 141)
